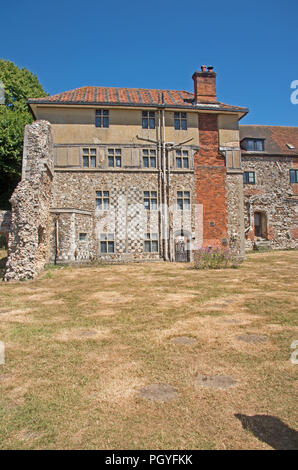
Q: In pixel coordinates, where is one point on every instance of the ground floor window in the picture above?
(249, 177)
(151, 243)
(107, 244)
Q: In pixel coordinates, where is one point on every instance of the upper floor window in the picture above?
(254, 145)
(102, 200)
(114, 158)
(150, 200)
(102, 118)
(89, 157)
(294, 176)
(183, 200)
(148, 119)
(249, 177)
(149, 158)
(182, 159)
(180, 121)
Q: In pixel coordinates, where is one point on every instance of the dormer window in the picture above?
(253, 145)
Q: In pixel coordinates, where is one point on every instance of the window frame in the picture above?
(183, 196)
(246, 177)
(107, 240)
(84, 239)
(149, 154)
(149, 240)
(148, 119)
(86, 153)
(254, 141)
(104, 197)
(182, 155)
(102, 118)
(114, 153)
(150, 196)
(180, 121)
(293, 171)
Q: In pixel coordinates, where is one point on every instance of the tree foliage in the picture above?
(19, 85)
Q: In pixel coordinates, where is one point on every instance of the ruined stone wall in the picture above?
(235, 213)
(29, 238)
(274, 196)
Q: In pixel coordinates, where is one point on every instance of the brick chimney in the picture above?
(205, 85)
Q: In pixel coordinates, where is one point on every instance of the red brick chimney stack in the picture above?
(205, 85)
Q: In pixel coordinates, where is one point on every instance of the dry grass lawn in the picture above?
(82, 342)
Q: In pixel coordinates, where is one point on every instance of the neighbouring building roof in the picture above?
(93, 95)
(279, 140)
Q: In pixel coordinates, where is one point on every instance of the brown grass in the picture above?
(81, 343)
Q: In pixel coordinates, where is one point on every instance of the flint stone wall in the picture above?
(29, 238)
(235, 215)
(274, 196)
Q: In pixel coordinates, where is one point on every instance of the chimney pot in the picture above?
(205, 85)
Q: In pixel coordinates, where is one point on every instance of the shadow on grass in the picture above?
(271, 430)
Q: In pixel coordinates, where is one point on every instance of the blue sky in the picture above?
(253, 46)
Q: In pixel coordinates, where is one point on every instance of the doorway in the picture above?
(182, 249)
(260, 224)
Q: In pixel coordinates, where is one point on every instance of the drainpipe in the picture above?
(164, 176)
(161, 251)
(56, 238)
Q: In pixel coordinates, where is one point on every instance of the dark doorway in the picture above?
(260, 225)
(182, 252)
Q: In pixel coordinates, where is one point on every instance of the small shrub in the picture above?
(214, 258)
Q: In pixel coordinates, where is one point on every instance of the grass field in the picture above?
(81, 343)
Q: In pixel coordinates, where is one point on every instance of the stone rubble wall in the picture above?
(235, 213)
(29, 238)
(274, 196)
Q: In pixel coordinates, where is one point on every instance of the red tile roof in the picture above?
(276, 138)
(129, 96)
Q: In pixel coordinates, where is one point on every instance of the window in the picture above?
(102, 118)
(149, 158)
(151, 243)
(249, 177)
(180, 121)
(89, 158)
(107, 244)
(82, 237)
(256, 145)
(102, 200)
(150, 200)
(294, 176)
(183, 200)
(148, 119)
(182, 160)
(114, 158)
